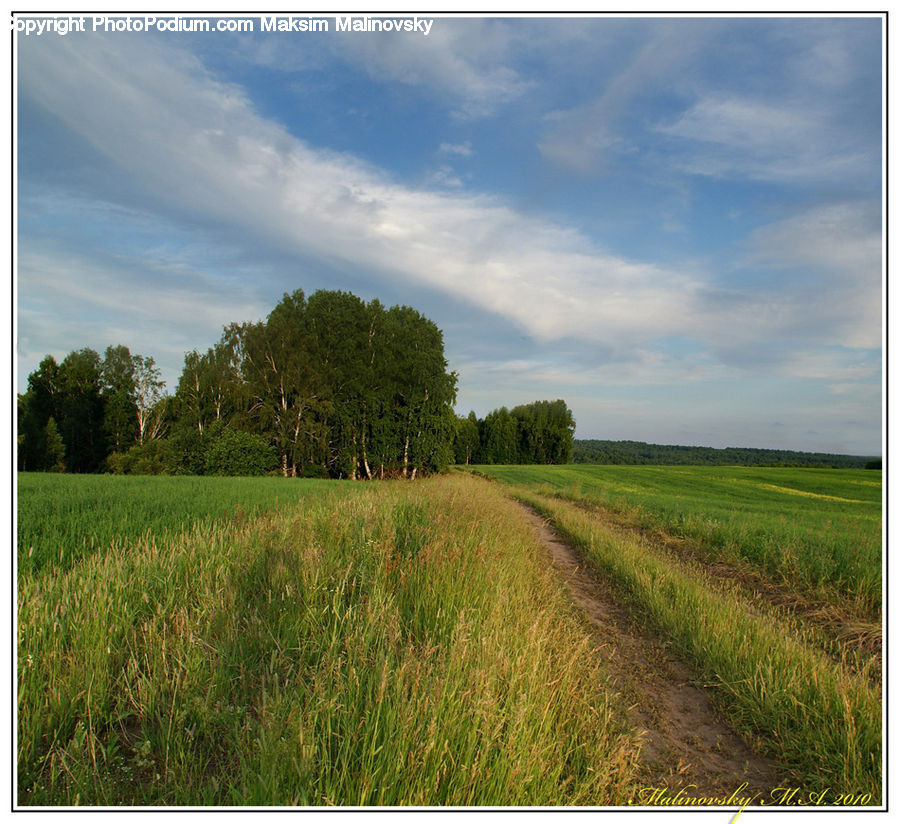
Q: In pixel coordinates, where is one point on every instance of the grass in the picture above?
(376, 644)
(62, 518)
(815, 530)
(819, 720)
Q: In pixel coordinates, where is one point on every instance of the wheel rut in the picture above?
(684, 743)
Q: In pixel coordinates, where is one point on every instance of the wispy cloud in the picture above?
(202, 152)
(462, 61)
(158, 308)
(732, 136)
(835, 252)
(198, 145)
(463, 149)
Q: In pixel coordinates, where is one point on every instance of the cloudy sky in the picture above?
(674, 224)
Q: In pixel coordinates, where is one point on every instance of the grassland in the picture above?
(188, 641)
(388, 643)
(808, 701)
(816, 530)
(62, 518)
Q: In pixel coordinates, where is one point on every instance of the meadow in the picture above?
(767, 581)
(63, 518)
(212, 641)
(366, 644)
(814, 530)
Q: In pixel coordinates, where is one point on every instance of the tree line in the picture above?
(327, 386)
(536, 433)
(637, 452)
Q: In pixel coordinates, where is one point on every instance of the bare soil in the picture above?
(685, 745)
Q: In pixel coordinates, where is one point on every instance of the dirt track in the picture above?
(684, 742)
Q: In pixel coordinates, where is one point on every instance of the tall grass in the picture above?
(62, 518)
(398, 644)
(815, 530)
(821, 722)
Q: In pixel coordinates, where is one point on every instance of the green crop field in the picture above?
(385, 643)
(264, 641)
(818, 530)
(62, 518)
(767, 580)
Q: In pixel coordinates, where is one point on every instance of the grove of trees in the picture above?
(327, 386)
(541, 432)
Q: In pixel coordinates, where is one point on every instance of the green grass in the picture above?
(816, 530)
(820, 721)
(62, 518)
(392, 643)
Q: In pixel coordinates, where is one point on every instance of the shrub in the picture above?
(233, 452)
(156, 457)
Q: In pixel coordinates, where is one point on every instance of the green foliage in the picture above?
(536, 433)
(56, 449)
(120, 417)
(232, 452)
(335, 386)
(99, 406)
(465, 439)
(638, 453)
(148, 458)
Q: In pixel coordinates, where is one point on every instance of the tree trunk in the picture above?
(365, 459)
(284, 468)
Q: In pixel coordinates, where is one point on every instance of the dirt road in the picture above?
(684, 741)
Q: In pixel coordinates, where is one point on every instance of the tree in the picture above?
(465, 442)
(118, 393)
(148, 394)
(79, 411)
(56, 449)
(232, 452)
(39, 403)
(285, 393)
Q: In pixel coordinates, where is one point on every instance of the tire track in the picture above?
(684, 742)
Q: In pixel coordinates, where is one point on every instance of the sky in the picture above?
(674, 224)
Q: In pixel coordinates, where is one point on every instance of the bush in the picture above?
(232, 452)
(157, 457)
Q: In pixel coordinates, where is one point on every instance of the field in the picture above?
(188, 641)
(384, 643)
(767, 580)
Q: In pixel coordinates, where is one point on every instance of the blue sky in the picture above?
(673, 223)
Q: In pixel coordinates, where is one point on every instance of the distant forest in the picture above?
(326, 386)
(636, 452)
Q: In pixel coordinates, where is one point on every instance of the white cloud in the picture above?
(199, 147)
(445, 176)
(583, 138)
(67, 301)
(783, 141)
(463, 61)
(462, 149)
(839, 248)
